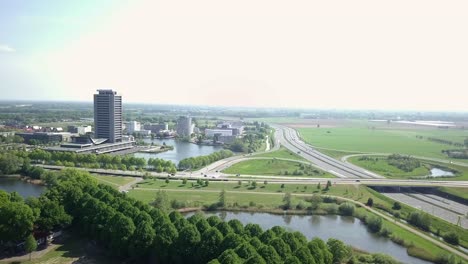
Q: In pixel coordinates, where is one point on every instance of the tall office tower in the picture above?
(108, 116)
(184, 126)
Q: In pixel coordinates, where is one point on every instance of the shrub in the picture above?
(396, 206)
(452, 238)
(346, 209)
(374, 223)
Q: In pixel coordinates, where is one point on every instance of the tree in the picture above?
(287, 201)
(162, 201)
(396, 206)
(254, 184)
(374, 223)
(318, 186)
(222, 198)
(315, 201)
(212, 239)
(338, 249)
(370, 202)
(16, 221)
(52, 215)
(346, 209)
(30, 245)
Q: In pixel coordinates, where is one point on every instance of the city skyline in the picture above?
(400, 55)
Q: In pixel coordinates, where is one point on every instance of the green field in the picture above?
(383, 168)
(275, 167)
(382, 139)
(282, 153)
(457, 191)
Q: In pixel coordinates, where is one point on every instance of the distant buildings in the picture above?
(225, 132)
(184, 126)
(108, 116)
(156, 128)
(133, 126)
(44, 137)
(81, 130)
(221, 132)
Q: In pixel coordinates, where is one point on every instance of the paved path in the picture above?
(126, 187)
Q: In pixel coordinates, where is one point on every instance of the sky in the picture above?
(363, 54)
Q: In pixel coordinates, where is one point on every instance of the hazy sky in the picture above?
(399, 54)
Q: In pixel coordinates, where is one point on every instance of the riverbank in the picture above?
(394, 229)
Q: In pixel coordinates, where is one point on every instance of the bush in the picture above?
(332, 209)
(374, 223)
(421, 220)
(346, 209)
(396, 206)
(452, 238)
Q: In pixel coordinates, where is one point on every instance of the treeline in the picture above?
(255, 134)
(404, 163)
(135, 232)
(456, 153)
(71, 159)
(11, 139)
(194, 163)
(446, 142)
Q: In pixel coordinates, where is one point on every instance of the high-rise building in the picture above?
(184, 126)
(108, 116)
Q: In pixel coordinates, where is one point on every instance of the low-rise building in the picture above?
(222, 132)
(156, 128)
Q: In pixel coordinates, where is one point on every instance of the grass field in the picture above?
(274, 167)
(382, 139)
(114, 181)
(282, 153)
(383, 168)
(461, 192)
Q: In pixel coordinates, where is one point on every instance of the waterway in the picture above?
(22, 188)
(347, 229)
(181, 150)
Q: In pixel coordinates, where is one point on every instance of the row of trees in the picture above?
(194, 163)
(71, 159)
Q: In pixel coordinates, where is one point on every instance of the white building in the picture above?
(133, 126)
(185, 126)
(82, 130)
(221, 132)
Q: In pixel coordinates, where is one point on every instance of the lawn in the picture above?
(114, 181)
(382, 139)
(457, 191)
(73, 249)
(275, 167)
(282, 153)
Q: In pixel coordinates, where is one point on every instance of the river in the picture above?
(22, 188)
(181, 150)
(347, 229)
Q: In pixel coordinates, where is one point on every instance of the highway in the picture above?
(289, 138)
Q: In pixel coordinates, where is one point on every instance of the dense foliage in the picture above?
(404, 163)
(194, 163)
